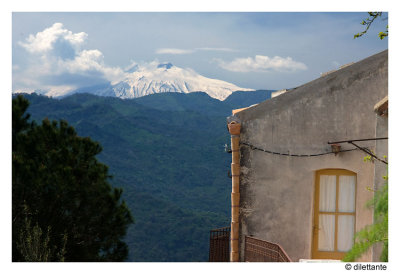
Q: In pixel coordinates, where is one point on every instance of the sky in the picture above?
(257, 50)
(217, 45)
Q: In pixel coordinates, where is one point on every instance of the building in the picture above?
(299, 178)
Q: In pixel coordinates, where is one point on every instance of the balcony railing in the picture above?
(257, 250)
(219, 245)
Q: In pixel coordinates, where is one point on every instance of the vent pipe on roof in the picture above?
(234, 130)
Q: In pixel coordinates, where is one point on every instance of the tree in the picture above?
(367, 22)
(34, 246)
(58, 185)
(377, 232)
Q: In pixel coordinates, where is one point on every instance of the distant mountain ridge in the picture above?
(202, 102)
(159, 78)
(153, 78)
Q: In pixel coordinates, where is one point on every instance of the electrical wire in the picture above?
(294, 155)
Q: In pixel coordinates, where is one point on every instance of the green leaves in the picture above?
(57, 176)
(384, 34)
(375, 233)
(368, 22)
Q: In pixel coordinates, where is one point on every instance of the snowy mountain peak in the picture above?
(165, 77)
(154, 77)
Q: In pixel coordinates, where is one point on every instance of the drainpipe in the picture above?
(234, 130)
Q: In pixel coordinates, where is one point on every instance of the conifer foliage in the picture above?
(59, 187)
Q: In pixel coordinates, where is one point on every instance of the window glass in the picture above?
(326, 235)
(327, 193)
(347, 193)
(345, 232)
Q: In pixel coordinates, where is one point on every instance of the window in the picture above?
(334, 213)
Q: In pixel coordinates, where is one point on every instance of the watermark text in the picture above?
(365, 266)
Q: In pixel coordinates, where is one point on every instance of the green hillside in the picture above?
(196, 101)
(167, 152)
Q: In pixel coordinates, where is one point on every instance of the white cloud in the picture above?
(44, 41)
(91, 61)
(173, 51)
(57, 61)
(84, 60)
(217, 49)
(261, 63)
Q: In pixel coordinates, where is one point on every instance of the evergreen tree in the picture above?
(55, 174)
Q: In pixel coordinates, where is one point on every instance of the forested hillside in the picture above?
(167, 152)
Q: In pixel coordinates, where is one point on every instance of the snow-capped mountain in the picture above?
(157, 78)
(141, 80)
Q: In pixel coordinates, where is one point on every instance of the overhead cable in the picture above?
(294, 155)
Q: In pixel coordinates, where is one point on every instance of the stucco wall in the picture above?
(380, 168)
(277, 192)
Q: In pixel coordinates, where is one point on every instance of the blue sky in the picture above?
(259, 50)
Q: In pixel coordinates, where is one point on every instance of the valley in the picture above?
(167, 153)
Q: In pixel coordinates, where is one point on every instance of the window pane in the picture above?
(345, 232)
(327, 193)
(326, 234)
(347, 192)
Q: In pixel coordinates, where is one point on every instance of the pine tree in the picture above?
(56, 175)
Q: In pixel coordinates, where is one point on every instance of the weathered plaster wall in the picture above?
(277, 192)
(380, 168)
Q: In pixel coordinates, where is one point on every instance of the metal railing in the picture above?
(257, 250)
(219, 245)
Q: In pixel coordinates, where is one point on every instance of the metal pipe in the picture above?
(368, 152)
(359, 140)
(234, 130)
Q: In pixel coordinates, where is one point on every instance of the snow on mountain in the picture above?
(157, 78)
(141, 80)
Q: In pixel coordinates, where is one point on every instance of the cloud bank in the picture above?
(57, 61)
(45, 41)
(261, 63)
